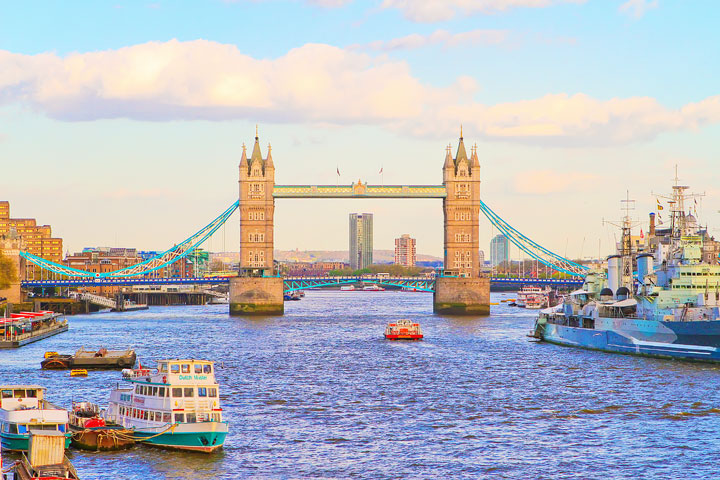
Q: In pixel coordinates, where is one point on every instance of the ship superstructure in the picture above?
(661, 298)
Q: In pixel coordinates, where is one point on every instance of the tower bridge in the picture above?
(461, 290)
(258, 289)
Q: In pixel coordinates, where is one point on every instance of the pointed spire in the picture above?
(475, 161)
(256, 153)
(268, 160)
(243, 159)
(461, 153)
(448, 158)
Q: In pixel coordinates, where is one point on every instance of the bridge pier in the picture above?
(256, 296)
(462, 296)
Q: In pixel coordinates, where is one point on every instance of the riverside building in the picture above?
(36, 239)
(361, 240)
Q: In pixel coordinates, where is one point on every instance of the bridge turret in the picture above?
(244, 167)
(257, 208)
(461, 177)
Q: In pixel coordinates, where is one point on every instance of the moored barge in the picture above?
(27, 327)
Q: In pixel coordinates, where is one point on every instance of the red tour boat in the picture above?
(403, 330)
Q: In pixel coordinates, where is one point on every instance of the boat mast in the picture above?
(625, 248)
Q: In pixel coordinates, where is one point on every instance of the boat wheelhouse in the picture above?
(177, 406)
(24, 408)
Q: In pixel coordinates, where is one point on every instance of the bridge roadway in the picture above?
(294, 283)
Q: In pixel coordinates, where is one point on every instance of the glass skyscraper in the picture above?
(361, 240)
(499, 250)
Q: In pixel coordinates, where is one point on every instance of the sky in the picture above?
(122, 123)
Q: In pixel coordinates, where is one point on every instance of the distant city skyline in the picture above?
(129, 132)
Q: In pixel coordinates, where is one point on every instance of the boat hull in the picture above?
(102, 439)
(17, 442)
(198, 437)
(403, 337)
(697, 341)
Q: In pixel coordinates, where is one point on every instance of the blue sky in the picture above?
(122, 122)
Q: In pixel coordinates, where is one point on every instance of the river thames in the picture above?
(319, 393)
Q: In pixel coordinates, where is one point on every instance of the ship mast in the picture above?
(677, 207)
(625, 249)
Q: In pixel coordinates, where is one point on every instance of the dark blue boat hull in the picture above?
(698, 341)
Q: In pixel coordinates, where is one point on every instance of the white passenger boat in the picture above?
(24, 408)
(178, 406)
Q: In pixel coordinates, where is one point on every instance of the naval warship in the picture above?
(658, 297)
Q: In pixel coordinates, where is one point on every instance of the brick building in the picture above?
(37, 239)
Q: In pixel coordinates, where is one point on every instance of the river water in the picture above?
(319, 393)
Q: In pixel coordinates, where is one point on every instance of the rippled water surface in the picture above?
(319, 393)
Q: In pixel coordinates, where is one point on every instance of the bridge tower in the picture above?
(257, 290)
(460, 290)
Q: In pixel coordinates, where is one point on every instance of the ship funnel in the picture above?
(614, 273)
(644, 266)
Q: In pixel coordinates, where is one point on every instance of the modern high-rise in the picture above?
(481, 257)
(499, 252)
(361, 240)
(405, 251)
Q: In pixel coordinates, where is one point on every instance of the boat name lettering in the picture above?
(193, 377)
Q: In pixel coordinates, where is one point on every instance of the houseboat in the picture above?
(177, 406)
(28, 327)
(24, 408)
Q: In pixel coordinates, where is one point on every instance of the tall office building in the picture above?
(361, 240)
(499, 252)
(405, 251)
(481, 257)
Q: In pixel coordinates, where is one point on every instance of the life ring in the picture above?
(164, 379)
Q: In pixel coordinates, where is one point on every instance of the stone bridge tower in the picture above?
(257, 209)
(256, 290)
(461, 290)
(461, 177)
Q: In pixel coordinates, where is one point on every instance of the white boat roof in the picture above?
(18, 387)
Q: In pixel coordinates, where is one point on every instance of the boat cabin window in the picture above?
(175, 368)
(189, 392)
(190, 418)
(137, 388)
(185, 368)
(207, 369)
(202, 392)
(215, 417)
(22, 429)
(7, 394)
(13, 428)
(163, 368)
(177, 392)
(179, 418)
(161, 391)
(198, 368)
(19, 393)
(154, 391)
(31, 393)
(166, 417)
(213, 392)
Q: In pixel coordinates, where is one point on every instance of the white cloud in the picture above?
(319, 84)
(439, 37)
(543, 182)
(441, 10)
(637, 8)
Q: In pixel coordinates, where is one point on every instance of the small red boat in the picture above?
(403, 330)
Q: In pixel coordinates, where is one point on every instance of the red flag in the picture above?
(642, 235)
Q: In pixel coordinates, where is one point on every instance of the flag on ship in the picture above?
(659, 205)
(642, 235)
(338, 171)
(381, 170)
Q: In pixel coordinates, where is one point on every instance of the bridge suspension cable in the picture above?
(157, 262)
(536, 251)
